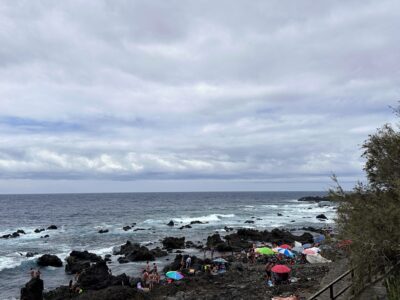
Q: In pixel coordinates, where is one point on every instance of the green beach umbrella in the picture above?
(265, 251)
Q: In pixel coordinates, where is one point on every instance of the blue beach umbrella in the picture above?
(285, 252)
(174, 275)
(220, 261)
(319, 239)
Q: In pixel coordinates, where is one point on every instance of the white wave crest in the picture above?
(208, 218)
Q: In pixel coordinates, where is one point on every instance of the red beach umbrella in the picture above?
(282, 269)
(285, 246)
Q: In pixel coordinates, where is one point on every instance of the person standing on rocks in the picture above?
(145, 278)
(148, 267)
(155, 270)
(188, 262)
(32, 272)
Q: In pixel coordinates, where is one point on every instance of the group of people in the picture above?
(150, 277)
(215, 269)
(34, 273)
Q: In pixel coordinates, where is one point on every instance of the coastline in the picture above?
(243, 280)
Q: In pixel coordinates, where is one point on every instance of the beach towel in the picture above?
(316, 258)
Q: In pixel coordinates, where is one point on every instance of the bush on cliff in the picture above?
(370, 214)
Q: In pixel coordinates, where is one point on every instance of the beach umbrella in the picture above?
(285, 246)
(298, 247)
(174, 275)
(280, 269)
(265, 251)
(309, 251)
(319, 239)
(220, 261)
(285, 252)
(315, 249)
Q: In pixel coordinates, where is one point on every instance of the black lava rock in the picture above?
(49, 260)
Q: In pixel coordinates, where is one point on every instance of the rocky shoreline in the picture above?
(243, 280)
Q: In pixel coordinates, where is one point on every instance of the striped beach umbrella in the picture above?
(286, 252)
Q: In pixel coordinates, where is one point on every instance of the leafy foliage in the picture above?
(370, 214)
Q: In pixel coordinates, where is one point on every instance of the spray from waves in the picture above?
(13, 260)
(208, 218)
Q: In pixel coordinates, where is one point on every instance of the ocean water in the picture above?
(80, 216)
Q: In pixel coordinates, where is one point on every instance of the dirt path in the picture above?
(336, 269)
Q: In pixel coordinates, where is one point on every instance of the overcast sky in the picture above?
(100, 96)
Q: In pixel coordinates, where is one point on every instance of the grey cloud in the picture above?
(259, 93)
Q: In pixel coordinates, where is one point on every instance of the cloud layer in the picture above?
(264, 91)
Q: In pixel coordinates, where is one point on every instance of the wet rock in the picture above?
(98, 284)
(185, 226)
(123, 260)
(157, 252)
(103, 231)
(322, 217)
(313, 229)
(227, 229)
(135, 252)
(279, 215)
(13, 235)
(37, 230)
(276, 235)
(171, 223)
(45, 236)
(190, 244)
(249, 222)
(52, 227)
(126, 228)
(77, 261)
(117, 292)
(49, 260)
(95, 277)
(138, 229)
(173, 242)
(313, 199)
(31, 254)
(197, 222)
(33, 290)
(236, 243)
(215, 242)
